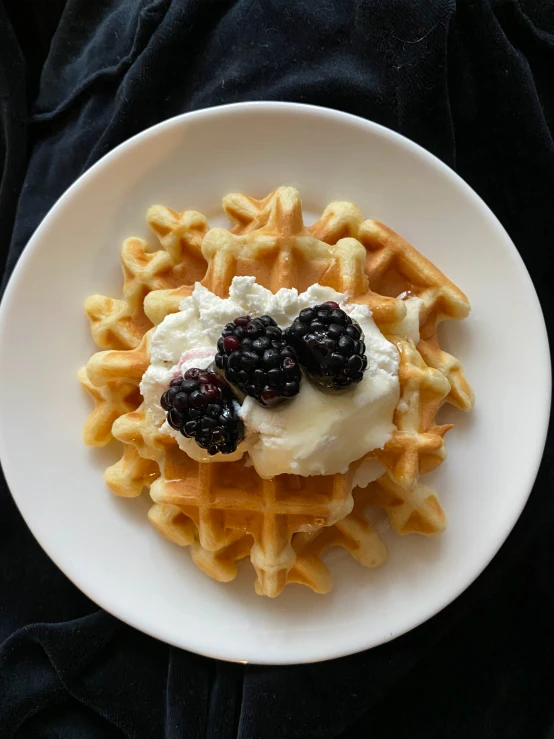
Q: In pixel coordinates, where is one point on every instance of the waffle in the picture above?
(224, 512)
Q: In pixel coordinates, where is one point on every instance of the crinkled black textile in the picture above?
(473, 82)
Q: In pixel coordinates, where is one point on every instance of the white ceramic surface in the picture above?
(105, 544)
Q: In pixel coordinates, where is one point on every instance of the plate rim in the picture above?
(33, 245)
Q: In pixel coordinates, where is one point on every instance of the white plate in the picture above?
(105, 544)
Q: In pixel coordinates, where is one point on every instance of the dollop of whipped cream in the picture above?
(318, 432)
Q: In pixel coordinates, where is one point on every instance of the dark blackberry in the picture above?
(201, 405)
(329, 344)
(255, 356)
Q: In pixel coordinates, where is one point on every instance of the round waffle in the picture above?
(224, 512)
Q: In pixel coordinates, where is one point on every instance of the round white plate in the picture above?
(105, 544)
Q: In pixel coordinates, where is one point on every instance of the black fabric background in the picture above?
(473, 82)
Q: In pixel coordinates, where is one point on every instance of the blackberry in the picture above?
(201, 405)
(329, 344)
(254, 355)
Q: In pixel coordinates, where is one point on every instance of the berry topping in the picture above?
(329, 344)
(255, 356)
(201, 405)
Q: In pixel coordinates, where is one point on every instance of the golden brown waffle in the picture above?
(224, 511)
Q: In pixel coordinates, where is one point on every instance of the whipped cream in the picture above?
(171, 354)
(409, 326)
(317, 432)
(320, 432)
(370, 469)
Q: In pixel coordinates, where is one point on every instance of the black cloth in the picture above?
(473, 82)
